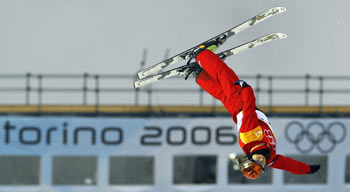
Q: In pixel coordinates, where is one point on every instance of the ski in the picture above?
(186, 56)
(182, 70)
(252, 44)
(179, 71)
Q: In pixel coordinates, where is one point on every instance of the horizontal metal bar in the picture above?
(93, 85)
(165, 90)
(345, 77)
(67, 108)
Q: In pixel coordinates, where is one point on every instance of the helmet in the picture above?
(250, 168)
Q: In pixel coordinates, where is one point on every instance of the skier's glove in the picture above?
(314, 168)
(241, 83)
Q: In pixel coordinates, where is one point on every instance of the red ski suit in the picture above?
(254, 129)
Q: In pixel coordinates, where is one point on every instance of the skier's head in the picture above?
(253, 166)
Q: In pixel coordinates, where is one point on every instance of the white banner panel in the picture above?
(159, 141)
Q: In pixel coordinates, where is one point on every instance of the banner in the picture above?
(160, 154)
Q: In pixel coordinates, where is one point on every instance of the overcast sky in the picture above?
(108, 36)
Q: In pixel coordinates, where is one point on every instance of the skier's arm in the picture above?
(293, 166)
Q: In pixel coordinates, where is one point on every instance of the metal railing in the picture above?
(89, 89)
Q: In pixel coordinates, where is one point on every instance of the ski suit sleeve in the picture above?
(290, 165)
(250, 131)
(250, 120)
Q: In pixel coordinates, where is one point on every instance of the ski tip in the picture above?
(282, 35)
(136, 84)
(280, 9)
(279, 35)
(140, 75)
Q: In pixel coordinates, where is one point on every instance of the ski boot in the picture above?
(211, 45)
(194, 68)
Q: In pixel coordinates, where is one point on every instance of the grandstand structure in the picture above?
(96, 132)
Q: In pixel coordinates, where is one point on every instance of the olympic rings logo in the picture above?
(315, 134)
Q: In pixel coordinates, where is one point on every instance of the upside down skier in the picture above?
(256, 137)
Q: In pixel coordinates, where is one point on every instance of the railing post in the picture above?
(85, 88)
(40, 92)
(28, 88)
(137, 92)
(149, 93)
(214, 106)
(97, 93)
(201, 102)
(142, 66)
(307, 89)
(321, 91)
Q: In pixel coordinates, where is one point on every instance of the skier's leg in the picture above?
(225, 77)
(215, 67)
(206, 82)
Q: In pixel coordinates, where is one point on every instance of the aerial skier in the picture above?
(256, 137)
